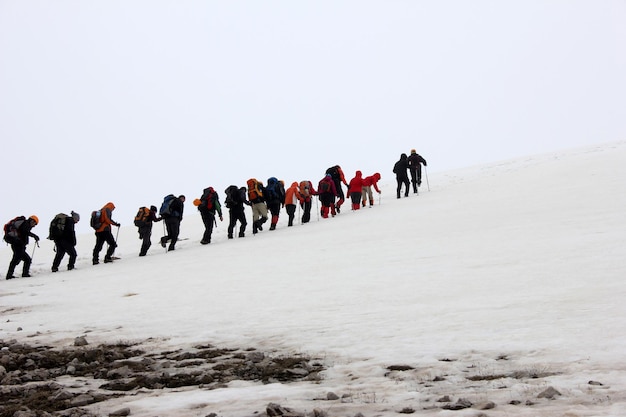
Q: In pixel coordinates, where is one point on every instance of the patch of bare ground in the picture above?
(41, 381)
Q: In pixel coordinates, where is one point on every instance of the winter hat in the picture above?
(413, 151)
(153, 208)
(35, 218)
(75, 216)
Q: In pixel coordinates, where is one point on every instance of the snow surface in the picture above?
(517, 265)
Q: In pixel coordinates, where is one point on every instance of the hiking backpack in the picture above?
(233, 196)
(254, 189)
(305, 188)
(96, 219)
(324, 187)
(167, 202)
(57, 226)
(208, 198)
(143, 214)
(11, 233)
(334, 173)
(273, 193)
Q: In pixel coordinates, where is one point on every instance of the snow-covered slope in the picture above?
(520, 260)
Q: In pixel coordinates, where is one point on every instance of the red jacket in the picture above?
(356, 183)
(331, 183)
(372, 180)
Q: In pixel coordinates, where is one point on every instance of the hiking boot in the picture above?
(338, 208)
(108, 260)
(242, 234)
(142, 254)
(163, 242)
(70, 267)
(206, 242)
(55, 269)
(363, 203)
(10, 276)
(95, 262)
(272, 226)
(26, 275)
(171, 248)
(230, 235)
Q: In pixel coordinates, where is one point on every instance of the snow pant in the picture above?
(101, 238)
(208, 218)
(234, 215)
(145, 233)
(259, 216)
(172, 225)
(328, 204)
(416, 177)
(402, 180)
(19, 255)
(274, 209)
(63, 247)
(367, 195)
(306, 210)
(291, 212)
(340, 194)
(356, 200)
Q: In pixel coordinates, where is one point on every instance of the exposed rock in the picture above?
(274, 410)
(461, 404)
(488, 405)
(122, 412)
(549, 393)
(80, 341)
(255, 357)
(332, 396)
(81, 400)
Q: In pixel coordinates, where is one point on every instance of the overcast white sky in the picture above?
(103, 100)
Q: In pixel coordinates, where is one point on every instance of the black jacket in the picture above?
(414, 161)
(400, 168)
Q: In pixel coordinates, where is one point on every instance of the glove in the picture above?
(221, 219)
(117, 224)
(36, 238)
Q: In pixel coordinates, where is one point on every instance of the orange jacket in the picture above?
(292, 195)
(105, 217)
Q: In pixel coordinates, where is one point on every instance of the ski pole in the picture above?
(426, 173)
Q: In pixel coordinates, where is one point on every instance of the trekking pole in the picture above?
(117, 234)
(36, 245)
(164, 234)
(317, 209)
(426, 173)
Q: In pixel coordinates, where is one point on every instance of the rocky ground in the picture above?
(30, 375)
(43, 381)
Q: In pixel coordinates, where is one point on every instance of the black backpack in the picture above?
(96, 219)
(233, 196)
(57, 226)
(11, 233)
